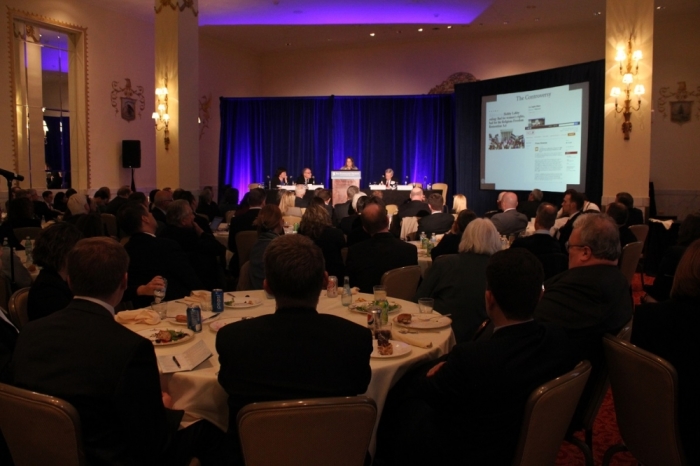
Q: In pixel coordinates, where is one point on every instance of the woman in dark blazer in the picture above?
(316, 224)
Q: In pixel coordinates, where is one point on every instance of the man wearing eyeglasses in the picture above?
(592, 298)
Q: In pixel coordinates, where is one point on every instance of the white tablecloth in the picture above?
(424, 259)
(200, 395)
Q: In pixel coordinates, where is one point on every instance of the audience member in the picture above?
(207, 206)
(316, 224)
(201, 220)
(449, 244)
(244, 222)
(471, 402)
(368, 260)
(571, 207)
(416, 207)
(299, 353)
(358, 232)
(115, 204)
(619, 214)
(270, 225)
(59, 202)
(635, 216)
(325, 196)
(351, 221)
(77, 204)
(499, 208)
(140, 197)
(300, 191)
(459, 203)
(230, 201)
(458, 279)
(41, 210)
(542, 244)
(669, 330)
(90, 225)
(50, 292)
(529, 207)
(286, 206)
(101, 197)
(106, 371)
(510, 221)
(343, 210)
(162, 200)
(437, 222)
(20, 214)
(152, 259)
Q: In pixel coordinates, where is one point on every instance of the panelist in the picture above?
(349, 164)
(388, 179)
(280, 178)
(306, 178)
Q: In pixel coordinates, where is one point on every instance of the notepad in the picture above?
(185, 361)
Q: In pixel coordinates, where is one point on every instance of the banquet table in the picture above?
(424, 259)
(199, 394)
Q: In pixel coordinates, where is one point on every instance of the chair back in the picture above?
(110, 223)
(548, 413)
(402, 283)
(392, 209)
(629, 259)
(23, 232)
(408, 225)
(17, 307)
(244, 278)
(640, 232)
(244, 243)
(442, 187)
(313, 432)
(40, 429)
(645, 389)
(5, 290)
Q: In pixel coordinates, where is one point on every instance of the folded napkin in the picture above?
(410, 339)
(666, 223)
(199, 295)
(139, 316)
(355, 290)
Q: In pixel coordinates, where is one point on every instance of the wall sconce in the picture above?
(632, 61)
(161, 116)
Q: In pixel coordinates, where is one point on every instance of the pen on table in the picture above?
(176, 363)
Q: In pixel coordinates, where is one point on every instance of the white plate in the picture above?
(426, 321)
(242, 303)
(150, 334)
(219, 324)
(400, 349)
(362, 306)
(171, 320)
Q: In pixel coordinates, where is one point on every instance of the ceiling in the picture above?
(269, 25)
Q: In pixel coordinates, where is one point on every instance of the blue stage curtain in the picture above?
(411, 134)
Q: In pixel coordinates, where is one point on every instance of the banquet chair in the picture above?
(17, 307)
(645, 389)
(312, 432)
(408, 225)
(110, 223)
(5, 290)
(401, 283)
(40, 429)
(244, 278)
(548, 412)
(392, 209)
(640, 232)
(23, 232)
(629, 259)
(442, 187)
(244, 243)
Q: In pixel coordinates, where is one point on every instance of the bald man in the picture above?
(510, 220)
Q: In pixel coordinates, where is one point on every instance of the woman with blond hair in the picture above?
(287, 204)
(269, 225)
(457, 281)
(316, 224)
(459, 203)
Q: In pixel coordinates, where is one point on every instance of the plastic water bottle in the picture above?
(432, 243)
(28, 249)
(346, 297)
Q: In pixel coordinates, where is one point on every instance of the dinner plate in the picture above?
(400, 349)
(151, 335)
(212, 317)
(219, 324)
(245, 304)
(426, 321)
(362, 307)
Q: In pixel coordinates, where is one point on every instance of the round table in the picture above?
(424, 259)
(199, 394)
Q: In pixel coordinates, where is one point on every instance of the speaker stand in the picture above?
(133, 185)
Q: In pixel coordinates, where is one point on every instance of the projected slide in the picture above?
(535, 139)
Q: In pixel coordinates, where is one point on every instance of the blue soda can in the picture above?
(217, 300)
(194, 318)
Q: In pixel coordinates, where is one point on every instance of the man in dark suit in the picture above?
(306, 177)
(43, 208)
(343, 210)
(529, 207)
(152, 259)
(510, 220)
(161, 201)
(299, 201)
(297, 352)
(437, 222)
(449, 244)
(620, 215)
(416, 207)
(244, 222)
(571, 207)
(121, 199)
(368, 260)
(106, 371)
(472, 401)
(542, 244)
(634, 215)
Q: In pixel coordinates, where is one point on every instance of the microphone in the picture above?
(11, 175)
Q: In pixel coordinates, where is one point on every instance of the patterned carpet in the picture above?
(605, 432)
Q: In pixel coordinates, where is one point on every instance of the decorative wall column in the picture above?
(627, 162)
(177, 68)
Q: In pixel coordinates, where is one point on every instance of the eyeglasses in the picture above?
(574, 246)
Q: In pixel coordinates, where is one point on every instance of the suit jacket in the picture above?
(669, 330)
(457, 283)
(409, 209)
(342, 210)
(301, 180)
(48, 294)
(114, 205)
(243, 222)
(367, 261)
(203, 253)
(256, 271)
(635, 217)
(298, 353)
(331, 242)
(538, 244)
(509, 222)
(277, 182)
(449, 244)
(529, 208)
(300, 202)
(159, 215)
(566, 230)
(150, 256)
(41, 209)
(435, 223)
(107, 372)
(475, 401)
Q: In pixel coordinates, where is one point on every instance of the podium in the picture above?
(342, 180)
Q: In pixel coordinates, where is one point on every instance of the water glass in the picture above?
(425, 305)
(379, 293)
(160, 293)
(161, 309)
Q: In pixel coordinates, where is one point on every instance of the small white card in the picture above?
(185, 361)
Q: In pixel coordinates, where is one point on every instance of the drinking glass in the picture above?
(425, 305)
(160, 293)
(379, 293)
(161, 309)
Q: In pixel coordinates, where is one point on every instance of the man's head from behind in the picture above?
(618, 212)
(352, 190)
(417, 194)
(545, 217)
(78, 204)
(97, 269)
(436, 202)
(514, 280)
(374, 218)
(509, 201)
(625, 198)
(535, 195)
(162, 199)
(294, 271)
(256, 197)
(595, 240)
(133, 217)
